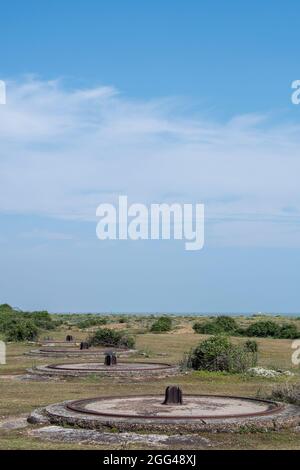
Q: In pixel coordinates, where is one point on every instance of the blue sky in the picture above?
(167, 102)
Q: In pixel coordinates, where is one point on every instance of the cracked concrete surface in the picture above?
(60, 433)
(16, 422)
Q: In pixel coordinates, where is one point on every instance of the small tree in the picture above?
(108, 337)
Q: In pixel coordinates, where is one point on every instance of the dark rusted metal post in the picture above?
(173, 396)
(110, 359)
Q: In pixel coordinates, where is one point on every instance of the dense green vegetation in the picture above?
(17, 325)
(261, 328)
(23, 326)
(95, 321)
(269, 328)
(108, 337)
(162, 324)
(219, 354)
(251, 345)
(218, 325)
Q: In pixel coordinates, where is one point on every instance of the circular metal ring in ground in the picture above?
(82, 351)
(194, 407)
(54, 342)
(121, 369)
(59, 344)
(199, 413)
(76, 352)
(91, 367)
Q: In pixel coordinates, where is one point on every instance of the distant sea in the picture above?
(183, 314)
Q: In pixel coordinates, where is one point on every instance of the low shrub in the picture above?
(251, 346)
(123, 319)
(91, 322)
(6, 308)
(16, 325)
(207, 328)
(108, 337)
(41, 319)
(289, 393)
(161, 325)
(23, 330)
(218, 325)
(263, 328)
(269, 328)
(219, 354)
(289, 331)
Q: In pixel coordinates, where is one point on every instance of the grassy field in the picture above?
(18, 397)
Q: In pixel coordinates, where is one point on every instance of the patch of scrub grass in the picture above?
(270, 440)
(216, 375)
(222, 377)
(21, 441)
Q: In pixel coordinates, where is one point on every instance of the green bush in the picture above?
(268, 328)
(251, 346)
(207, 328)
(23, 326)
(108, 337)
(263, 328)
(218, 325)
(289, 331)
(5, 308)
(227, 324)
(23, 330)
(123, 319)
(219, 354)
(161, 325)
(41, 319)
(91, 322)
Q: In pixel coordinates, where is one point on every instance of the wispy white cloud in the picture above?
(62, 152)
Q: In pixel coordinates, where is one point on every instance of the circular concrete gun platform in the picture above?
(59, 351)
(196, 413)
(121, 369)
(54, 342)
